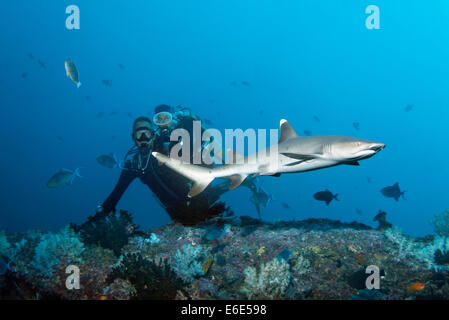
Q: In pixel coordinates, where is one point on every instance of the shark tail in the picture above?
(336, 197)
(200, 176)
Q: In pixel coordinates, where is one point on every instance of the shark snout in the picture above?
(376, 147)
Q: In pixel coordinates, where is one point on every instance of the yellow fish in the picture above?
(261, 250)
(72, 72)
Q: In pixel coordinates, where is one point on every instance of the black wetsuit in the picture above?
(170, 188)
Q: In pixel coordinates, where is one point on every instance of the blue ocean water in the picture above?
(301, 58)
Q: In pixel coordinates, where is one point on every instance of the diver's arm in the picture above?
(126, 177)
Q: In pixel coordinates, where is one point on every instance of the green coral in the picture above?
(272, 281)
(188, 262)
(55, 247)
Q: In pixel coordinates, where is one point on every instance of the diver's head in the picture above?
(163, 116)
(142, 132)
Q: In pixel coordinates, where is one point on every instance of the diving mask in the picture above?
(163, 119)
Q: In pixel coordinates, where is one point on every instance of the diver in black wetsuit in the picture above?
(170, 188)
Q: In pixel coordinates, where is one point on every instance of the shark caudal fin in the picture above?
(200, 176)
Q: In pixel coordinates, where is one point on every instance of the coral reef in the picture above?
(233, 257)
(108, 230)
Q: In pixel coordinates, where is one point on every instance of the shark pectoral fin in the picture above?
(352, 163)
(287, 131)
(236, 180)
(199, 187)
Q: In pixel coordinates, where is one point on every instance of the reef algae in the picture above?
(223, 259)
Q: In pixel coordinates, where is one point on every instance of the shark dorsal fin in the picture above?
(287, 131)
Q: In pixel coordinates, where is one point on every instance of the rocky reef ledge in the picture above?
(224, 258)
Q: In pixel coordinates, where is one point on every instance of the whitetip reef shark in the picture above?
(294, 154)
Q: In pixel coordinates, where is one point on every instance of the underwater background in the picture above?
(300, 59)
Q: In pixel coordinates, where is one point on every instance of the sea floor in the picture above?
(226, 258)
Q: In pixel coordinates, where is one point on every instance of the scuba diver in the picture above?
(170, 188)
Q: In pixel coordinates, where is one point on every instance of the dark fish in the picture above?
(30, 55)
(260, 197)
(100, 115)
(113, 113)
(326, 196)
(393, 192)
(24, 75)
(59, 138)
(108, 160)
(245, 83)
(130, 115)
(368, 179)
(381, 217)
(106, 83)
(356, 125)
(408, 107)
(285, 205)
(121, 66)
(234, 83)
(358, 211)
(62, 178)
(307, 132)
(41, 64)
(316, 118)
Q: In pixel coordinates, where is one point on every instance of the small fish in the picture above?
(113, 113)
(326, 196)
(307, 132)
(130, 115)
(285, 205)
(356, 125)
(42, 64)
(234, 83)
(121, 66)
(62, 178)
(358, 211)
(100, 115)
(108, 160)
(368, 179)
(59, 138)
(245, 83)
(72, 72)
(24, 75)
(106, 83)
(261, 251)
(316, 118)
(417, 286)
(408, 108)
(30, 56)
(393, 192)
